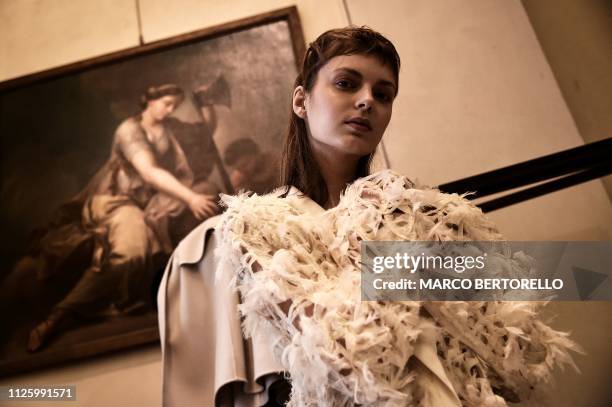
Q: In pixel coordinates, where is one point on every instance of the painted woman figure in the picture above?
(125, 212)
(273, 285)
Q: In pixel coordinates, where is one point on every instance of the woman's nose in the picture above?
(365, 99)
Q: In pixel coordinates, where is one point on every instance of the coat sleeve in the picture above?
(205, 359)
(185, 323)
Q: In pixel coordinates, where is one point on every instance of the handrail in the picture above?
(582, 163)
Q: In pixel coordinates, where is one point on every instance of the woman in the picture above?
(125, 208)
(294, 264)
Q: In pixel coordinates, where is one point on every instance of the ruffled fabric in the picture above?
(340, 351)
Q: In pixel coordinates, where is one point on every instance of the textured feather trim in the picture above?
(340, 351)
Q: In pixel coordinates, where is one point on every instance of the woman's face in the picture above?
(163, 107)
(350, 105)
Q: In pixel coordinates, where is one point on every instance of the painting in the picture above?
(107, 164)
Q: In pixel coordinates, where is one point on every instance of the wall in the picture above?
(476, 93)
(128, 378)
(575, 37)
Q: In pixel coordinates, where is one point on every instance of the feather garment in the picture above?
(341, 351)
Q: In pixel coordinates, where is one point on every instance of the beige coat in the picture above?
(205, 357)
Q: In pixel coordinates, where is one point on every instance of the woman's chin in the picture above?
(357, 146)
(355, 151)
(346, 145)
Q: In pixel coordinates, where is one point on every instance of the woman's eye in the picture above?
(383, 96)
(344, 84)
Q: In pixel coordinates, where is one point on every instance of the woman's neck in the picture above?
(148, 120)
(337, 170)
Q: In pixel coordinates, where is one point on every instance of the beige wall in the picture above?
(575, 37)
(41, 34)
(130, 378)
(476, 93)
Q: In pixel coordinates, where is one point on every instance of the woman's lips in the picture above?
(362, 128)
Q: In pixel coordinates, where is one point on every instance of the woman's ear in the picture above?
(299, 102)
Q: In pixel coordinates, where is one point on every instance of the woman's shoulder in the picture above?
(130, 126)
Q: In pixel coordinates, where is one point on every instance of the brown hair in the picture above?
(156, 92)
(298, 166)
